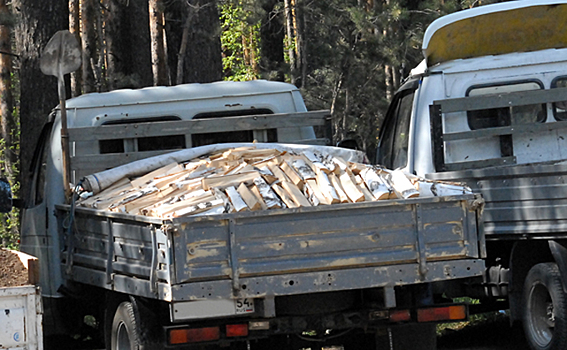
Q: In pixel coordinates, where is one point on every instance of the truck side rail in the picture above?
(277, 252)
(505, 100)
(86, 157)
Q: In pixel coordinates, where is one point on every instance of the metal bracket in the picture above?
(233, 257)
(110, 254)
(153, 269)
(422, 259)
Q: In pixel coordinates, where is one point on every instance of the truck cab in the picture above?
(487, 107)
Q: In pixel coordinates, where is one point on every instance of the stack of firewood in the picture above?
(247, 178)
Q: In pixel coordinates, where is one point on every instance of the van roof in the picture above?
(515, 26)
(178, 93)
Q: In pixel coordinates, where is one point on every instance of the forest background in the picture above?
(348, 56)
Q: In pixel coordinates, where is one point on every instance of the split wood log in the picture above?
(296, 194)
(268, 195)
(350, 187)
(237, 201)
(248, 197)
(144, 180)
(294, 177)
(376, 184)
(256, 192)
(278, 172)
(285, 197)
(314, 191)
(339, 188)
(229, 180)
(327, 188)
(320, 162)
(402, 186)
(303, 169)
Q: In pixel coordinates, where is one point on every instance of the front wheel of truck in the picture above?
(125, 331)
(545, 308)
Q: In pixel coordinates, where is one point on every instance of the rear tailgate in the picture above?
(326, 248)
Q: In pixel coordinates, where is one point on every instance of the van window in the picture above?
(152, 143)
(560, 108)
(491, 118)
(395, 134)
(231, 136)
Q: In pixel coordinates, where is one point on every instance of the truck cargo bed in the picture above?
(277, 252)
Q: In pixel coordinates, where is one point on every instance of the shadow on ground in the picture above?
(496, 335)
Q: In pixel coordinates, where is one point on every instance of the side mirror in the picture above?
(5, 196)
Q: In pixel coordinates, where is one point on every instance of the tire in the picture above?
(544, 304)
(125, 331)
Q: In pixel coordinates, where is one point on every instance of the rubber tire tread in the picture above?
(125, 314)
(549, 276)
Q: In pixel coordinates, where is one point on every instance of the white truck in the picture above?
(488, 107)
(355, 274)
(21, 311)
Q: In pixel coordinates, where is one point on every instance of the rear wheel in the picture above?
(125, 329)
(545, 308)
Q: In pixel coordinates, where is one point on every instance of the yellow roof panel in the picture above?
(518, 26)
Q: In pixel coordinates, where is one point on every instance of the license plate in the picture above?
(244, 306)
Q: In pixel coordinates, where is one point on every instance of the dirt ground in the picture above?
(12, 271)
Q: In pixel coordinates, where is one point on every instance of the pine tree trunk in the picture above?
(159, 60)
(183, 47)
(39, 20)
(75, 28)
(128, 44)
(272, 35)
(88, 40)
(301, 43)
(6, 100)
(290, 31)
(113, 31)
(202, 60)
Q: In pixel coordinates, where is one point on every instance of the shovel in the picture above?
(62, 55)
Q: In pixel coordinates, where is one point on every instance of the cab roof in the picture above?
(178, 93)
(515, 26)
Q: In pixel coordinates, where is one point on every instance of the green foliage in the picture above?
(240, 41)
(9, 222)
